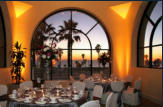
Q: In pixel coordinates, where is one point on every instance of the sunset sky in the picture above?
(98, 36)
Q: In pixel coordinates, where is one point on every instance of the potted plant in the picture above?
(17, 63)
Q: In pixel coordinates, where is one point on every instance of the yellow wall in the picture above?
(121, 32)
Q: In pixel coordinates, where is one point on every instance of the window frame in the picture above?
(4, 38)
(97, 23)
(141, 35)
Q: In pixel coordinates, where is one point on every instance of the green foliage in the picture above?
(17, 55)
(104, 58)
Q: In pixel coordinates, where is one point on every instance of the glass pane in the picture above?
(62, 61)
(84, 21)
(157, 11)
(148, 33)
(146, 57)
(60, 67)
(157, 39)
(82, 44)
(62, 44)
(98, 36)
(157, 56)
(80, 62)
(58, 19)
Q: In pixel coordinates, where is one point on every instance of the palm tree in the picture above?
(84, 60)
(69, 32)
(43, 32)
(98, 48)
(83, 56)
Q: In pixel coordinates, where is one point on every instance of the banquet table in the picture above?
(13, 103)
(73, 103)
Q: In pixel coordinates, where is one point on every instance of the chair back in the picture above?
(91, 104)
(89, 84)
(98, 91)
(3, 90)
(116, 98)
(108, 100)
(79, 85)
(137, 84)
(117, 86)
(26, 84)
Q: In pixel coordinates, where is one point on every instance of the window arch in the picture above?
(150, 37)
(77, 34)
(2, 41)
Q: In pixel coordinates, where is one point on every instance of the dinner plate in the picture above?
(19, 99)
(64, 100)
(75, 98)
(10, 96)
(53, 102)
(40, 102)
(27, 101)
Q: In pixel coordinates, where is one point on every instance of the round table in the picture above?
(73, 103)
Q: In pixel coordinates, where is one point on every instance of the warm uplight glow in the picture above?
(122, 9)
(20, 8)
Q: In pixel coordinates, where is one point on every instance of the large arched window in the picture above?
(2, 41)
(83, 43)
(150, 37)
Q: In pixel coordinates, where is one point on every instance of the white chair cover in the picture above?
(98, 91)
(50, 83)
(132, 95)
(26, 84)
(3, 91)
(89, 84)
(116, 98)
(91, 104)
(79, 85)
(108, 100)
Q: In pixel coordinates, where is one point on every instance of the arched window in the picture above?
(2, 41)
(82, 41)
(150, 37)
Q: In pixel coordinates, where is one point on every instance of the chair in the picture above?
(26, 84)
(79, 85)
(89, 84)
(91, 104)
(116, 98)
(50, 83)
(3, 91)
(108, 100)
(132, 96)
(97, 92)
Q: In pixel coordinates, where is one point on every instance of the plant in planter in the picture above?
(17, 63)
(104, 58)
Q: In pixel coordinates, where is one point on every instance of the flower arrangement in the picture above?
(48, 53)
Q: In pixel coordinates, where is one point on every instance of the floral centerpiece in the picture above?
(47, 54)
